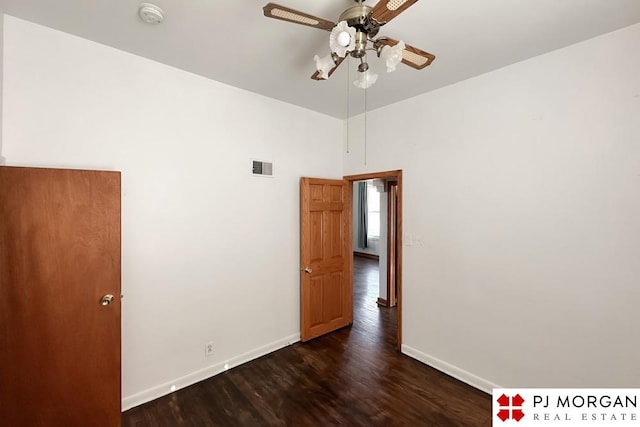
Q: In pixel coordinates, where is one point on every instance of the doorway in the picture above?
(392, 261)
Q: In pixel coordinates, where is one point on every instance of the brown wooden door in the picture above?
(326, 289)
(59, 255)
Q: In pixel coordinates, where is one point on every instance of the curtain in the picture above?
(363, 210)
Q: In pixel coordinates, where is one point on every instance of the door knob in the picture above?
(307, 270)
(106, 300)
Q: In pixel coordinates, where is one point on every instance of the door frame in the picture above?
(392, 247)
(397, 176)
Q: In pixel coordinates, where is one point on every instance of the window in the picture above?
(373, 214)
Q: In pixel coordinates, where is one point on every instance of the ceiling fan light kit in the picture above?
(354, 35)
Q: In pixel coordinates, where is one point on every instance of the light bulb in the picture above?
(344, 39)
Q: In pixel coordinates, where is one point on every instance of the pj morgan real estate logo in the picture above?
(592, 407)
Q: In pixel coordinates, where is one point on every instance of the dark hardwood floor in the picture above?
(353, 377)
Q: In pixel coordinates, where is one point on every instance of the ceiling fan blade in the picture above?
(385, 10)
(411, 56)
(272, 10)
(316, 75)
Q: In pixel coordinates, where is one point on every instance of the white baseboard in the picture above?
(451, 370)
(160, 390)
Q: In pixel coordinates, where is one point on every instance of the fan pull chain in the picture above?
(365, 126)
(348, 100)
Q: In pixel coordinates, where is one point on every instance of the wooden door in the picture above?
(326, 291)
(59, 255)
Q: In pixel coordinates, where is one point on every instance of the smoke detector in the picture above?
(150, 13)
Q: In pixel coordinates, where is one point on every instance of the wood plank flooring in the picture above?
(353, 377)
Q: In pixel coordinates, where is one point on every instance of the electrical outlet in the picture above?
(208, 349)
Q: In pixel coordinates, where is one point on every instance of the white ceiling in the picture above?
(232, 42)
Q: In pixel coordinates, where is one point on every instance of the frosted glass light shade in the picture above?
(366, 79)
(342, 39)
(324, 65)
(392, 55)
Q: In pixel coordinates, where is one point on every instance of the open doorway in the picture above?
(374, 229)
(385, 242)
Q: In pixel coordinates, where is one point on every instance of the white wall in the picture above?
(522, 217)
(209, 253)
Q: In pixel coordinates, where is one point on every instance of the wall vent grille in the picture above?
(260, 168)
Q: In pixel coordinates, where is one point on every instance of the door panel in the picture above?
(59, 255)
(333, 296)
(334, 235)
(326, 285)
(315, 239)
(317, 298)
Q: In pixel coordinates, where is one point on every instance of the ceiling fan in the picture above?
(357, 27)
